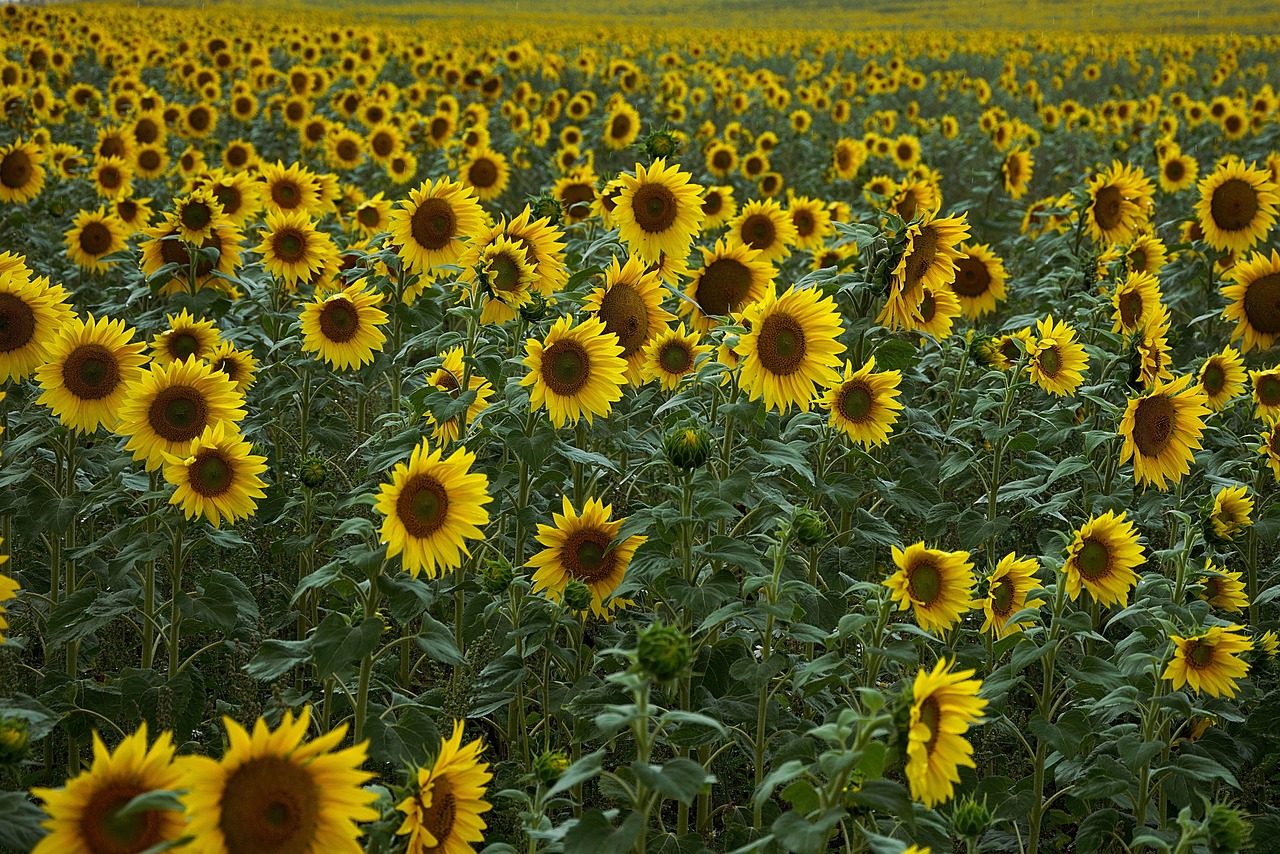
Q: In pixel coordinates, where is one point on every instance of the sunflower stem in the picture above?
(73, 647)
(361, 711)
(766, 652)
(149, 583)
(175, 609)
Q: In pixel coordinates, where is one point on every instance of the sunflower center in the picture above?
(286, 194)
(90, 372)
(383, 144)
(1262, 304)
(270, 804)
(928, 307)
(655, 208)
(347, 150)
(1131, 306)
(1153, 425)
(1233, 205)
(1009, 349)
(289, 245)
(1199, 654)
(339, 320)
(1094, 559)
(211, 473)
(587, 556)
(906, 208)
(439, 818)
(368, 216)
(620, 127)
(972, 278)
(577, 196)
(1267, 388)
(566, 367)
(924, 249)
(178, 414)
(781, 344)
(423, 505)
(95, 238)
(228, 197)
(483, 173)
(1107, 207)
(1213, 379)
(149, 159)
(1174, 170)
(624, 314)
(504, 275)
(1014, 167)
(722, 160)
(183, 345)
(197, 216)
(228, 366)
(676, 358)
(433, 224)
(856, 401)
(17, 322)
(106, 831)
(1050, 361)
(1002, 596)
(109, 177)
(803, 221)
(712, 204)
(759, 231)
(16, 169)
(723, 286)
(1138, 261)
(925, 582)
(931, 716)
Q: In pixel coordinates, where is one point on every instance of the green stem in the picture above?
(175, 610)
(366, 665)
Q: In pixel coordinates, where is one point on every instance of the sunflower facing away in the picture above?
(672, 355)
(1102, 557)
(170, 405)
(658, 211)
(936, 585)
(342, 328)
(864, 403)
(274, 792)
(219, 478)
(1162, 430)
(732, 276)
(793, 346)
(575, 372)
(1207, 663)
(1014, 577)
(1237, 206)
(1255, 301)
(447, 377)
(630, 305)
(29, 321)
(583, 548)
(1222, 589)
(944, 704)
(1232, 511)
(90, 368)
(1056, 360)
(431, 507)
(442, 813)
(84, 816)
(434, 225)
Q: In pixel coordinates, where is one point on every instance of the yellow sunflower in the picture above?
(239, 365)
(273, 791)
(197, 215)
(794, 344)
(21, 172)
(1270, 449)
(621, 126)
(732, 276)
(291, 248)
(342, 328)
(112, 177)
(442, 811)
(186, 336)
(937, 585)
(508, 276)
(1207, 663)
(434, 225)
(30, 318)
(1102, 557)
(1266, 394)
(1177, 171)
(219, 477)
(1134, 301)
(812, 221)
(575, 371)
(1119, 203)
(1013, 578)
(1017, 169)
(486, 172)
(929, 258)
(981, 280)
(1057, 361)
(576, 193)
(864, 403)
(944, 704)
(431, 507)
(1147, 255)
(1222, 590)
(718, 207)
(1161, 431)
(658, 211)
(1151, 359)
(1255, 301)
(630, 305)
(936, 313)
(448, 377)
(584, 548)
(8, 591)
(169, 405)
(90, 367)
(1237, 206)
(672, 355)
(290, 189)
(1232, 511)
(764, 226)
(93, 236)
(721, 159)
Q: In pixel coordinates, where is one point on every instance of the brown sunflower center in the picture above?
(483, 173)
(1013, 170)
(855, 401)
(1153, 425)
(95, 238)
(928, 307)
(286, 194)
(237, 155)
(624, 314)
(620, 126)
(1049, 361)
(759, 231)
(675, 357)
(439, 818)
(16, 169)
(109, 177)
(107, 832)
(289, 245)
(211, 474)
(1108, 207)
(972, 277)
(1174, 170)
(1131, 306)
(931, 716)
(576, 198)
(780, 346)
(906, 207)
(566, 367)
(179, 413)
(712, 204)
(924, 582)
(803, 221)
(587, 556)
(1199, 654)
(1213, 378)
(90, 372)
(722, 159)
(655, 208)
(1009, 349)
(723, 286)
(368, 216)
(504, 274)
(1262, 304)
(348, 151)
(1233, 204)
(198, 119)
(149, 159)
(228, 197)
(1093, 560)
(433, 224)
(183, 344)
(382, 144)
(339, 320)
(270, 804)
(423, 505)
(1267, 388)
(228, 366)
(924, 249)
(1002, 596)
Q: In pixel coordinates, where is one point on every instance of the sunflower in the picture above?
(812, 221)
(732, 276)
(1207, 662)
(672, 355)
(85, 815)
(584, 548)
(764, 226)
(621, 126)
(929, 257)
(89, 369)
(486, 172)
(575, 371)
(1255, 301)
(1147, 255)
(793, 345)
(630, 305)
(448, 377)
(238, 365)
(431, 507)
(936, 585)
(1150, 356)
(30, 318)
(1266, 394)
(1017, 169)
(433, 226)
(1237, 206)
(112, 178)
(721, 159)
(93, 236)
(576, 193)
(442, 811)
(239, 195)
(1162, 429)
(936, 313)
(833, 256)
(219, 477)
(1056, 360)
(197, 215)
(1270, 449)
(163, 249)
(8, 591)
(136, 214)
(289, 189)
(1119, 200)
(21, 172)
(718, 207)
(169, 405)
(1177, 170)
(847, 158)
(186, 336)
(1222, 590)
(944, 704)
(864, 404)
(658, 211)
(344, 148)
(1102, 557)
(1007, 589)
(273, 792)
(1134, 300)
(291, 248)
(1232, 509)
(981, 279)
(342, 328)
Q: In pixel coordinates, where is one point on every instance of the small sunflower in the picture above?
(732, 276)
(1266, 394)
(93, 236)
(1255, 301)
(981, 280)
(342, 328)
(936, 313)
(658, 211)
(718, 207)
(944, 704)
(89, 369)
(794, 344)
(197, 215)
(509, 277)
(168, 406)
(291, 248)
(864, 403)
(764, 226)
(584, 548)
(1222, 590)
(1056, 360)
(1013, 578)
(239, 365)
(434, 225)
(1150, 350)
(442, 811)
(1237, 206)
(630, 305)
(186, 336)
(1119, 202)
(1017, 169)
(1134, 301)
(1232, 512)
(30, 318)
(1270, 448)
(1177, 171)
(1161, 431)
(1147, 255)
(937, 585)
(448, 377)
(21, 172)
(219, 477)
(576, 193)
(290, 189)
(672, 355)
(1207, 663)
(112, 177)
(1102, 558)
(812, 221)
(575, 371)
(621, 126)
(486, 172)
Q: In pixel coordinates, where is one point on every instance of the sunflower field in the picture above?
(427, 429)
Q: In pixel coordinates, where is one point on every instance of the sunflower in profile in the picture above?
(929, 258)
(658, 211)
(30, 318)
(1270, 448)
(1161, 431)
(936, 313)
(239, 365)
(1007, 588)
(1222, 590)
(864, 403)
(84, 816)
(486, 172)
(1232, 512)
(575, 371)
(289, 189)
(1237, 206)
(342, 328)
(793, 344)
(291, 248)
(89, 369)
(170, 405)
(93, 236)
(273, 791)
(1102, 557)
(508, 276)
(1119, 202)
(936, 585)
(1150, 350)
(981, 280)
(1134, 301)
(186, 336)
(1255, 301)
(448, 377)
(434, 225)
(1207, 663)
(672, 355)
(944, 704)
(1017, 170)
(764, 226)
(1056, 360)
(1266, 394)
(442, 811)
(21, 172)
(630, 305)
(431, 507)
(219, 477)
(584, 548)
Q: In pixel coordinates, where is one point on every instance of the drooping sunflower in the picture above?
(732, 276)
(442, 812)
(658, 211)
(1017, 169)
(342, 328)
(929, 257)
(273, 791)
(1222, 590)
(937, 585)
(630, 305)
(486, 172)
(981, 280)
(21, 172)
(509, 277)
(794, 345)
(864, 403)
(1232, 512)
(1119, 202)
(1266, 394)
(1207, 663)
(434, 225)
(1102, 557)
(186, 336)
(1161, 431)
(672, 355)
(219, 477)
(291, 248)
(431, 507)
(93, 236)
(763, 225)
(1255, 301)
(1056, 360)
(575, 371)
(84, 816)
(239, 365)
(168, 406)
(1134, 300)
(1237, 206)
(448, 377)
(944, 704)
(29, 321)
(90, 367)
(584, 548)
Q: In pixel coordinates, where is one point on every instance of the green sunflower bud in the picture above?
(546, 205)
(13, 740)
(661, 143)
(809, 528)
(313, 472)
(497, 575)
(577, 596)
(687, 447)
(971, 818)
(548, 766)
(1226, 828)
(535, 309)
(663, 651)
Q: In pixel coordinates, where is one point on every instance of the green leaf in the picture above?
(336, 646)
(436, 640)
(884, 795)
(802, 796)
(225, 602)
(594, 833)
(1201, 768)
(894, 355)
(796, 833)
(680, 778)
(161, 799)
(276, 658)
(786, 456)
(20, 830)
(404, 735)
(784, 773)
(87, 610)
(579, 772)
